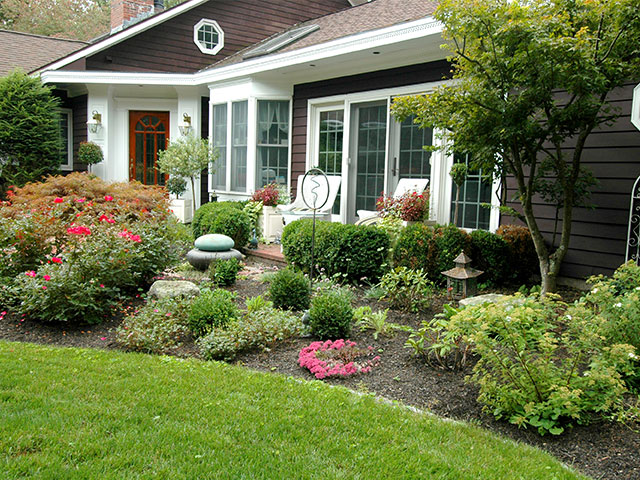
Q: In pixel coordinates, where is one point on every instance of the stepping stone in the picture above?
(214, 242)
(173, 288)
(201, 259)
(488, 298)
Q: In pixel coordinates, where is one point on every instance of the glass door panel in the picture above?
(330, 138)
(148, 134)
(413, 160)
(371, 136)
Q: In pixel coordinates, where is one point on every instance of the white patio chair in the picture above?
(298, 209)
(405, 185)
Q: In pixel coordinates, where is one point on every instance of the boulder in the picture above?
(173, 288)
(201, 259)
(488, 298)
(214, 242)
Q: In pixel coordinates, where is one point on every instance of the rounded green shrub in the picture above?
(224, 272)
(331, 314)
(490, 253)
(226, 218)
(212, 309)
(356, 252)
(415, 248)
(290, 290)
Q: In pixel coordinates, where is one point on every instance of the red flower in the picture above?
(47, 278)
(80, 200)
(104, 218)
(108, 198)
(58, 200)
(79, 230)
(56, 259)
(30, 273)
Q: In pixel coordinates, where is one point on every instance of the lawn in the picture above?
(76, 413)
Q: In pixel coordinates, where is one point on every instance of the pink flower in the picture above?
(108, 198)
(102, 285)
(103, 338)
(58, 200)
(44, 288)
(30, 273)
(80, 200)
(56, 259)
(79, 230)
(47, 278)
(104, 218)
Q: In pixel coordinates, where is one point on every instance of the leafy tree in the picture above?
(186, 158)
(79, 19)
(29, 131)
(532, 78)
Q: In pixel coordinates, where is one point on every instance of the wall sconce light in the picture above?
(95, 122)
(185, 125)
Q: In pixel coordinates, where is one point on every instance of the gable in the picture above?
(169, 46)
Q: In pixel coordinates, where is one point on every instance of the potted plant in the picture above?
(270, 220)
(186, 158)
(411, 207)
(180, 207)
(90, 153)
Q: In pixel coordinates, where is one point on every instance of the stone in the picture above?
(173, 288)
(488, 298)
(214, 242)
(201, 259)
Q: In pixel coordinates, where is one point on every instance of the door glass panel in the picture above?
(414, 161)
(149, 152)
(161, 143)
(149, 135)
(219, 176)
(330, 146)
(475, 191)
(140, 157)
(372, 128)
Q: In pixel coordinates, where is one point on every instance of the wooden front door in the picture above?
(148, 133)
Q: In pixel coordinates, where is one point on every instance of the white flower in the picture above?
(637, 288)
(633, 356)
(595, 290)
(618, 305)
(569, 317)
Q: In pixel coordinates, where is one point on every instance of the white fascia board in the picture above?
(426, 27)
(124, 34)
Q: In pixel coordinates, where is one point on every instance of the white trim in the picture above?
(635, 107)
(69, 165)
(124, 34)
(351, 44)
(217, 28)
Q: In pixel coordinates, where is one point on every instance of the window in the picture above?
(414, 160)
(475, 191)
(219, 137)
(330, 137)
(272, 142)
(208, 36)
(239, 112)
(66, 134)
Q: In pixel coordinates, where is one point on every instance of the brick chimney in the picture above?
(128, 12)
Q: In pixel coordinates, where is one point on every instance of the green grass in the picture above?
(89, 414)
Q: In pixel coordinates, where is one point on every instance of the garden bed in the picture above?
(602, 450)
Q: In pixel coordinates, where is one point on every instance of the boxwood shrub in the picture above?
(522, 252)
(226, 218)
(490, 253)
(356, 252)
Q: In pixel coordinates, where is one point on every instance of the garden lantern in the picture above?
(461, 279)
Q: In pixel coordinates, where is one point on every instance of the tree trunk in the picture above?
(455, 214)
(193, 195)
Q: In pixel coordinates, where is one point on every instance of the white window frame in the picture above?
(440, 184)
(252, 144)
(217, 28)
(67, 167)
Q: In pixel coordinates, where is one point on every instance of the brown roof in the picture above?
(30, 52)
(366, 17)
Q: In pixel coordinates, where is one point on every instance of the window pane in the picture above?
(475, 190)
(219, 176)
(273, 142)
(239, 146)
(372, 128)
(414, 161)
(65, 154)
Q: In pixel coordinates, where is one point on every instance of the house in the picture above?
(281, 86)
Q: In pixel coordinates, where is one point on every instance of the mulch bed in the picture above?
(601, 450)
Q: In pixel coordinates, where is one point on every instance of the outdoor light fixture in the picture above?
(95, 122)
(185, 125)
(461, 280)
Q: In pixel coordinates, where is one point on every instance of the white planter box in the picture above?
(181, 208)
(270, 224)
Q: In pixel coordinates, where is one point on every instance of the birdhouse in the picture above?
(462, 279)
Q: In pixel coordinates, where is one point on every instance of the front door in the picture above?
(148, 133)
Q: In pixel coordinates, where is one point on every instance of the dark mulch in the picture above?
(602, 450)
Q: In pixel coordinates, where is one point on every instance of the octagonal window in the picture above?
(208, 36)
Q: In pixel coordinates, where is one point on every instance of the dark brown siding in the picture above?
(169, 47)
(204, 133)
(599, 235)
(396, 77)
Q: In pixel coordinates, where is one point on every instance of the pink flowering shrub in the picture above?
(269, 195)
(339, 358)
(410, 207)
